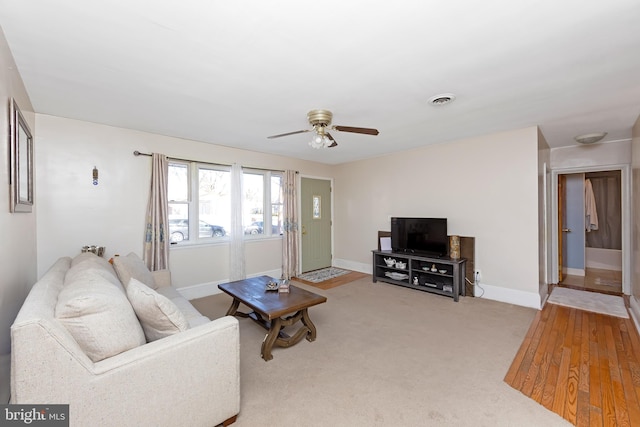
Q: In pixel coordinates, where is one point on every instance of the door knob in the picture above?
(566, 230)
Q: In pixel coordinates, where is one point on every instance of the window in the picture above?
(262, 203)
(200, 202)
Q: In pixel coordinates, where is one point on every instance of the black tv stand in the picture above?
(442, 276)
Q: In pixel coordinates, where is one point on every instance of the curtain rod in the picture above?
(138, 153)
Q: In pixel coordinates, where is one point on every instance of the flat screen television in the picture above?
(420, 236)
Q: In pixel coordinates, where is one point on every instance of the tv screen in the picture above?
(427, 236)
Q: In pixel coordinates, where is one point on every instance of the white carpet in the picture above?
(590, 301)
(322, 274)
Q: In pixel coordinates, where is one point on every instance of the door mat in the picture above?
(322, 274)
(610, 305)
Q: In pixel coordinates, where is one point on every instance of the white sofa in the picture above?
(76, 341)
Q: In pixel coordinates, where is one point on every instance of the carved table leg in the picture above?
(234, 308)
(270, 339)
(311, 335)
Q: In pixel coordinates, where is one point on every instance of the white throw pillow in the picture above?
(158, 315)
(99, 317)
(132, 266)
(88, 264)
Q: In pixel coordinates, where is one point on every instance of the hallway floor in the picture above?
(598, 280)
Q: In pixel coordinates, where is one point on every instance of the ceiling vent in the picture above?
(442, 99)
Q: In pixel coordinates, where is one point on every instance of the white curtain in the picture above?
(236, 246)
(290, 225)
(156, 245)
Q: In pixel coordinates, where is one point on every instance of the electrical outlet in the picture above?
(477, 276)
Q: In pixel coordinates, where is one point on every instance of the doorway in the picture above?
(315, 220)
(595, 260)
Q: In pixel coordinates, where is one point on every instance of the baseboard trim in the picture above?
(511, 296)
(574, 271)
(352, 265)
(202, 290)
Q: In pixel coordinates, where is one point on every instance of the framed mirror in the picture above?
(21, 170)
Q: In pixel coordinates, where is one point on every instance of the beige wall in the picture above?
(635, 197)
(73, 212)
(487, 187)
(18, 248)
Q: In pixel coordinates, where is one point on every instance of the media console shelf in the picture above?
(443, 276)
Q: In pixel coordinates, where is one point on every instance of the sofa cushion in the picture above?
(158, 316)
(98, 316)
(193, 316)
(132, 266)
(89, 264)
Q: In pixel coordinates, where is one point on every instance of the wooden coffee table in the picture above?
(269, 309)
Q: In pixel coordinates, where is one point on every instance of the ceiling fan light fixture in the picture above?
(320, 120)
(319, 141)
(590, 138)
(442, 99)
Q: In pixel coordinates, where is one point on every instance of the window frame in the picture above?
(193, 203)
(267, 204)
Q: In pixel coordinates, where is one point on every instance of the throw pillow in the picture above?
(88, 264)
(99, 317)
(132, 266)
(158, 315)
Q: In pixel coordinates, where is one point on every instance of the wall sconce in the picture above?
(95, 175)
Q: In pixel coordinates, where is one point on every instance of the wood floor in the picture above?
(581, 365)
(595, 279)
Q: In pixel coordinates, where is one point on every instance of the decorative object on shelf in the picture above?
(20, 162)
(443, 271)
(415, 280)
(272, 285)
(390, 262)
(385, 243)
(454, 247)
(434, 268)
(396, 276)
(401, 265)
(284, 287)
(98, 250)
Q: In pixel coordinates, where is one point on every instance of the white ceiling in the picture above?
(234, 72)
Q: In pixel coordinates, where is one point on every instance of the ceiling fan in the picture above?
(321, 122)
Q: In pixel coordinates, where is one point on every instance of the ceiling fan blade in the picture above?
(288, 133)
(367, 131)
(333, 141)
